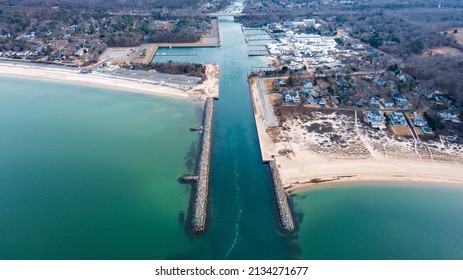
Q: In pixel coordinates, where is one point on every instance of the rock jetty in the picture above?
(198, 219)
(286, 218)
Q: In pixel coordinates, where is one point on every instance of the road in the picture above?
(266, 107)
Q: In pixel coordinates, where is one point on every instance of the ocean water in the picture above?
(381, 222)
(92, 174)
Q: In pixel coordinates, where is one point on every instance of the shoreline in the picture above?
(61, 74)
(374, 183)
(303, 169)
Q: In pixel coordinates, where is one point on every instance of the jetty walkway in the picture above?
(286, 218)
(199, 211)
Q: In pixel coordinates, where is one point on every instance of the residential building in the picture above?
(401, 101)
(419, 120)
(307, 86)
(380, 81)
(375, 118)
(374, 102)
(397, 119)
(447, 115)
(291, 96)
(388, 103)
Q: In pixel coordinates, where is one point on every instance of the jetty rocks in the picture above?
(286, 218)
(199, 211)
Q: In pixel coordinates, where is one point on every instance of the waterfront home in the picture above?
(375, 118)
(419, 120)
(322, 102)
(374, 102)
(388, 103)
(311, 100)
(291, 96)
(397, 119)
(447, 115)
(401, 101)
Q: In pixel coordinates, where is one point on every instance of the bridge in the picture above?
(226, 14)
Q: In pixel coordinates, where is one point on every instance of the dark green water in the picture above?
(91, 174)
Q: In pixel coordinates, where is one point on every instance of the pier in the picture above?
(178, 54)
(286, 218)
(198, 217)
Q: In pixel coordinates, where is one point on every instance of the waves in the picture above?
(240, 210)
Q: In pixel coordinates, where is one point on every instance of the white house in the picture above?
(375, 118)
(397, 118)
(418, 120)
(291, 96)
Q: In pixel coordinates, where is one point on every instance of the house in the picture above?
(282, 83)
(375, 118)
(322, 102)
(397, 118)
(307, 86)
(380, 81)
(342, 83)
(358, 47)
(291, 96)
(372, 53)
(401, 101)
(388, 103)
(311, 100)
(428, 94)
(345, 93)
(447, 115)
(419, 120)
(374, 102)
(405, 78)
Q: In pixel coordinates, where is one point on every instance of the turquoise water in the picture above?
(89, 173)
(381, 222)
(92, 174)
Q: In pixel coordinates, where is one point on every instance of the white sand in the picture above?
(54, 74)
(208, 88)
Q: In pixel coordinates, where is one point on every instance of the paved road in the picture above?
(265, 105)
(155, 77)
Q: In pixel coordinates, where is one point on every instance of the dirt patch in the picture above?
(443, 51)
(274, 133)
(401, 130)
(458, 36)
(268, 83)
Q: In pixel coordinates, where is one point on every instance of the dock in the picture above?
(199, 210)
(177, 54)
(286, 218)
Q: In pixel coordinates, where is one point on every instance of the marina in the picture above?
(257, 40)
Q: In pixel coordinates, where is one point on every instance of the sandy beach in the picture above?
(326, 148)
(105, 80)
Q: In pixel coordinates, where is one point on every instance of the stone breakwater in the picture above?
(198, 219)
(286, 218)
